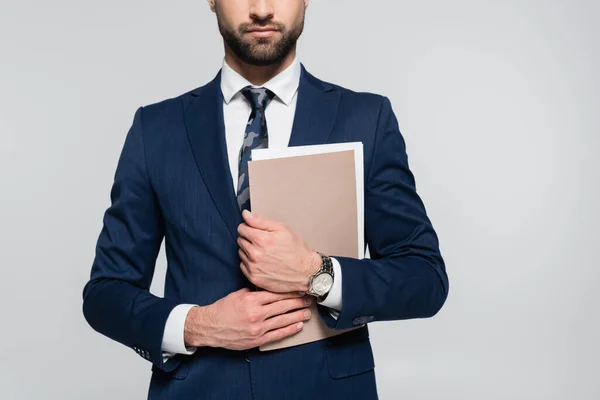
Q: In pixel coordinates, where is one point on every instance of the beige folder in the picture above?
(317, 191)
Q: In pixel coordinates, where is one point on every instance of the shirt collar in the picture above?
(284, 84)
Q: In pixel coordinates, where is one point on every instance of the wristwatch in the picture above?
(321, 282)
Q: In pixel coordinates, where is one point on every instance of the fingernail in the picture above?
(307, 314)
(307, 300)
(299, 326)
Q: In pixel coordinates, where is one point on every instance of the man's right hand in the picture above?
(246, 319)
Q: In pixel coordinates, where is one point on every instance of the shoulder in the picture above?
(167, 109)
(368, 107)
(351, 97)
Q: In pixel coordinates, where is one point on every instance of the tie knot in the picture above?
(258, 97)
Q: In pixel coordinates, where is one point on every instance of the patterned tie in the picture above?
(256, 137)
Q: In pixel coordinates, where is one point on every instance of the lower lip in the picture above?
(262, 33)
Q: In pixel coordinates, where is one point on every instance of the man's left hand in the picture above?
(273, 257)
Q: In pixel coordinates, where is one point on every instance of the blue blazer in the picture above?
(173, 181)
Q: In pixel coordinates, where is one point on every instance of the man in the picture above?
(182, 175)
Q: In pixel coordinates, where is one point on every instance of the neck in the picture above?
(257, 75)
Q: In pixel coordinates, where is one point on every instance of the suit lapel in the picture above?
(206, 132)
(316, 110)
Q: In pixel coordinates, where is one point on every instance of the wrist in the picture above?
(195, 328)
(314, 264)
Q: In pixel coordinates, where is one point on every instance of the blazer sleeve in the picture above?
(116, 300)
(405, 276)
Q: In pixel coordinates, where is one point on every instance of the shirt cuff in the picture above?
(333, 301)
(173, 341)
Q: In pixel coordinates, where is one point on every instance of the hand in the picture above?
(245, 319)
(273, 257)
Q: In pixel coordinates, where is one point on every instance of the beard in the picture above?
(261, 51)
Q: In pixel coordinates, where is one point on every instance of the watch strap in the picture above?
(325, 268)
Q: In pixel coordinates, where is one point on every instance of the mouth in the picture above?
(262, 32)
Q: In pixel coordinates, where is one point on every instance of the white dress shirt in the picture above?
(279, 115)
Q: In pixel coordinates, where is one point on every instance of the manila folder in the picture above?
(316, 197)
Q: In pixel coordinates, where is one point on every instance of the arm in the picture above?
(405, 277)
(116, 300)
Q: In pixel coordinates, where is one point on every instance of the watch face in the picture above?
(322, 283)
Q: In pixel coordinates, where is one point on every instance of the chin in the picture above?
(263, 58)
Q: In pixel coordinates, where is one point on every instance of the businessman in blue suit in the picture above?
(182, 176)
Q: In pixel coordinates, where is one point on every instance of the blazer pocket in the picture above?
(349, 353)
(179, 372)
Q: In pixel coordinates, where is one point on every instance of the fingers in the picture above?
(251, 234)
(267, 297)
(273, 316)
(261, 223)
(284, 320)
(243, 256)
(244, 244)
(283, 306)
(251, 237)
(246, 232)
(281, 333)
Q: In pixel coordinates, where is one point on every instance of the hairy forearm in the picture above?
(195, 331)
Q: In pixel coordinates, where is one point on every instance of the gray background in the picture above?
(497, 100)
